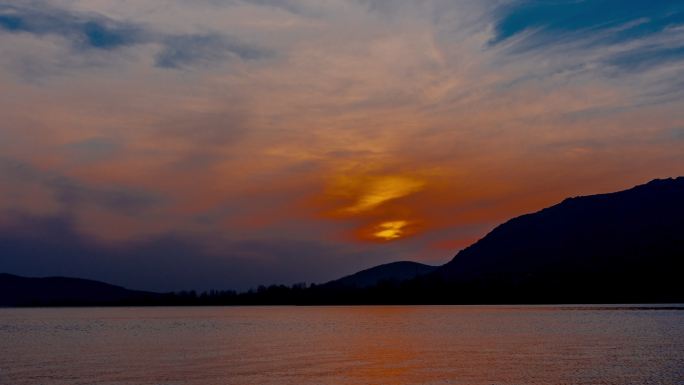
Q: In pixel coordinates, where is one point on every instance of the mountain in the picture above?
(390, 272)
(24, 291)
(623, 246)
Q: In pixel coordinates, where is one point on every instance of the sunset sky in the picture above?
(201, 144)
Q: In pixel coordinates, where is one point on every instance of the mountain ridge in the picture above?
(392, 271)
(17, 290)
(617, 237)
(619, 247)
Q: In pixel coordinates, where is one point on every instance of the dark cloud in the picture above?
(185, 50)
(50, 246)
(88, 32)
(82, 31)
(285, 5)
(70, 193)
(93, 149)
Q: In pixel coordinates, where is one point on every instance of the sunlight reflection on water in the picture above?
(342, 345)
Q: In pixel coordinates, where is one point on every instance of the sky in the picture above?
(171, 144)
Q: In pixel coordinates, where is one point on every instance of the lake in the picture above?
(396, 345)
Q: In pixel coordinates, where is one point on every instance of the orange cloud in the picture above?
(363, 194)
(390, 230)
(386, 130)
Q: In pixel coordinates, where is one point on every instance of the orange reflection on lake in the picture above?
(396, 345)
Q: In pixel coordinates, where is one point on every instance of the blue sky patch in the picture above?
(628, 18)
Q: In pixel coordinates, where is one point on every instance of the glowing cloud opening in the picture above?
(390, 230)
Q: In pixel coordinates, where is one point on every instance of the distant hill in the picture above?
(23, 291)
(395, 271)
(623, 246)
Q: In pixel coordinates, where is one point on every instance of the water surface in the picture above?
(467, 345)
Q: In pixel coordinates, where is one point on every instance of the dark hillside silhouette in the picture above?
(627, 245)
(389, 272)
(623, 247)
(23, 291)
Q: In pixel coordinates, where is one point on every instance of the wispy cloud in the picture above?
(68, 193)
(82, 31)
(328, 122)
(553, 20)
(89, 32)
(185, 50)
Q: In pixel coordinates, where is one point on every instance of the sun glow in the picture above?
(390, 230)
(374, 191)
